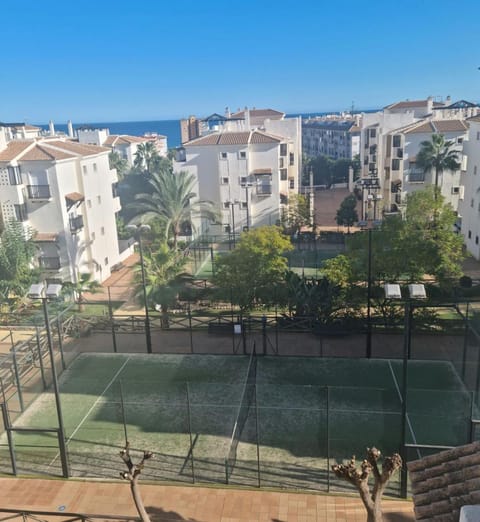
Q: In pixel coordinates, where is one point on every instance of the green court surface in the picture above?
(306, 413)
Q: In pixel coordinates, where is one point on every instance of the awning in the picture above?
(259, 172)
(45, 238)
(74, 198)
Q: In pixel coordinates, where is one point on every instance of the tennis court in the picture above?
(270, 421)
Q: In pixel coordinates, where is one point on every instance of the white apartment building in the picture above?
(336, 137)
(248, 175)
(66, 193)
(125, 145)
(247, 163)
(402, 148)
(469, 207)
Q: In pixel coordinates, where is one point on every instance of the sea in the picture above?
(168, 128)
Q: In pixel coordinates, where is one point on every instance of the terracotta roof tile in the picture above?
(445, 481)
(75, 196)
(79, 149)
(450, 125)
(14, 149)
(407, 104)
(114, 139)
(420, 128)
(261, 113)
(474, 118)
(234, 138)
(41, 153)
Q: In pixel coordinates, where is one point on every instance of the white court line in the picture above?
(401, 401)
(92, 408)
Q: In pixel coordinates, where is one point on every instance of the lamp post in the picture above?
(137, 231)
(232, 204)
(369, 295)
(416, 291)
(38, 291)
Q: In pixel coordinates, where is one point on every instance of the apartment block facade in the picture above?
(337, 138)
(65, 192)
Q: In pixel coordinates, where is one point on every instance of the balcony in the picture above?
(49, 263)
(38, 192)
(264, 189)
(76, 224)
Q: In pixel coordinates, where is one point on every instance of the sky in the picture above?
(92, 61)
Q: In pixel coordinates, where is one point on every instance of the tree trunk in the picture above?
(137, 498)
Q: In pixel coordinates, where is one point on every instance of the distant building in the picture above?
(125, 145)
(335, 137)
(66, 192)
(469, 206)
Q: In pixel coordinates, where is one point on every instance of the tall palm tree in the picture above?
(170, 199)
(146, 156)
(438, 155)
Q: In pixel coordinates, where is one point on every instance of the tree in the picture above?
(164, 277)
(297, 214)
(170, 199)
(118, 163)
(17, 250)
(437, 155)
(254, 267)
(133, 475)
(146, 157)
(83, 284)
(347, 213)
(359, 477)
(422, 243)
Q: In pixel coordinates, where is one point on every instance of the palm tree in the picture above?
(170, 200)
(146, 156)
(438, 155)
(84, 283)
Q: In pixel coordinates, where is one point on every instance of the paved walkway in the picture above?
(193, 504)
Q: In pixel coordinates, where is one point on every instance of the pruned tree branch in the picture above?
(359, 477)
(134, 471)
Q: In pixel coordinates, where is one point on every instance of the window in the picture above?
(223, 155)
(226, 204)
(459, 140)
(395, 164)
(102, 231)
(224, 181)
(292, 158)
(89, 203)
(469, 234)
(106, 261)
(373, 133)
(291, 183)
(281, 163)
(472, 202)
(283, 174)
(476, 240)
(478, 135)
(244, 205)
(94, 167)
(242, 180)
(21, 212)
(475, 169)
(455, 190)
(226, 229)
(283, 149)
(84, 169)
(92, 236)
(243, 154)
(14, 175)
(397, 140)
(99, 200)
(416, 175)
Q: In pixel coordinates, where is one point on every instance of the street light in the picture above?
(416, 291)
(137, 231)
(246, 186)
(232, 204)
(38, 291)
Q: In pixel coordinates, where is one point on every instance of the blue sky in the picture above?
(119, 61)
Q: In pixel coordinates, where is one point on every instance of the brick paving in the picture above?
(167, 503)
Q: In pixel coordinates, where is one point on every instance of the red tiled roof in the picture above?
(407, 104)
(14, 149)
(233, 138)
(438, 126)
(75, 196)
(41, 153)
(79, 149)
(115, 139)
(260, 113)
(444, 482)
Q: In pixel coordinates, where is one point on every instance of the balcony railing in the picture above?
(76, 224)
(49, 263)
(264, 189)
(38, 191)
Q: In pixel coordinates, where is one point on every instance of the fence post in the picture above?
(328, 437)
(17, 375)
(60, 343)
(40, 358)
(465, 344)
(264, 334)
(257, 434)
(6, 424)
(243, 322)
(190, 327)
(189, 419)
(110, 313)
(122, 405)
